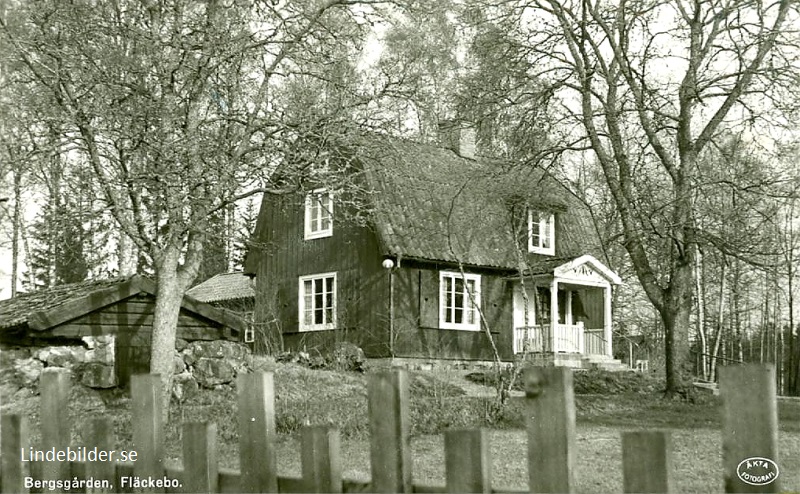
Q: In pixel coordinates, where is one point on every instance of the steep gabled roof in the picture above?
(432, 204)
(224, 286)
(45, 309)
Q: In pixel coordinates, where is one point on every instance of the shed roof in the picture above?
(45, 309)
(224, 286)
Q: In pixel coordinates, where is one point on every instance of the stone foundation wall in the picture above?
(92, 364)
(427, 364)
(573, 360)
(206, 364)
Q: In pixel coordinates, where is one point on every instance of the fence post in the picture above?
(467, 462)
(749, 423)
(647, 461)
(55, 426)
(389, 422)
(322, 470)
(14, 438)
(101, 435)
(551, 429)
(257, 459)
(200, 467)
(147, 425)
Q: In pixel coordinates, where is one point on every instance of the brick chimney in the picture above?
(458, 136)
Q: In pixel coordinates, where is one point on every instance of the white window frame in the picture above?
(301, 302)
(547, 223)
(472, 303)
(317, 196)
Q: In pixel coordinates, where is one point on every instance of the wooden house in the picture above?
(122, 307)
(442, 249)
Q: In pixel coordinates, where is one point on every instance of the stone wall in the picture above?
(206, 364)
(92, 364)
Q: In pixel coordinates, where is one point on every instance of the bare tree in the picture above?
(649, 85)
(177, 107)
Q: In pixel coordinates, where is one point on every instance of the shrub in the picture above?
(430, 416)
(605, 382)
(430, 386)
(593, 381)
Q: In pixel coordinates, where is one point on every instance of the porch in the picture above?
(565, 309)
(560, 338)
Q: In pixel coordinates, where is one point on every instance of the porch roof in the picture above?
(570, 267)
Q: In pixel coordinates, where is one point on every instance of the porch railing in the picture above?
(595, 342)
(569, 338)
(532, 339)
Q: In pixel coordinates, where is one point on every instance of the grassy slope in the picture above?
(340, 398)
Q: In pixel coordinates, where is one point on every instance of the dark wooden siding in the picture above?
(131, 322)
(417, 319)
(352, 252)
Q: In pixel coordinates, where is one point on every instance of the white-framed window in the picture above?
(319, 214)
(541, 232)
(317, 302)
(459, 301)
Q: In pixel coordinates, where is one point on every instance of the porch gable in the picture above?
(586, 270)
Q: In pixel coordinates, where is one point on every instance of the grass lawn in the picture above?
(695, 430)
(697, 459)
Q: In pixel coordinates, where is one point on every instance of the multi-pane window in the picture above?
(319, 214)
(459, 301)
(541, 232)
(317, 302)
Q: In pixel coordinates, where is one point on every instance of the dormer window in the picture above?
(319, 214)
(541, 232)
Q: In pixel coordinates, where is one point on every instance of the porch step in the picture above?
(603, 362)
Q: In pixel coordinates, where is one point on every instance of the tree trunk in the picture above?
(171, 285)
(736, 301)
(718, 338)
(764, 321)
(776, 340)
(675, 314)
(16, 229)
(792, 388)
(26, 248)
(701, 313)
(793, 371)
(795, 391)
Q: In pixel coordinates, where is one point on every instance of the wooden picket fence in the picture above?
(749, 430)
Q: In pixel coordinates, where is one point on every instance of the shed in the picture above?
(118, 307)
(235, 291)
